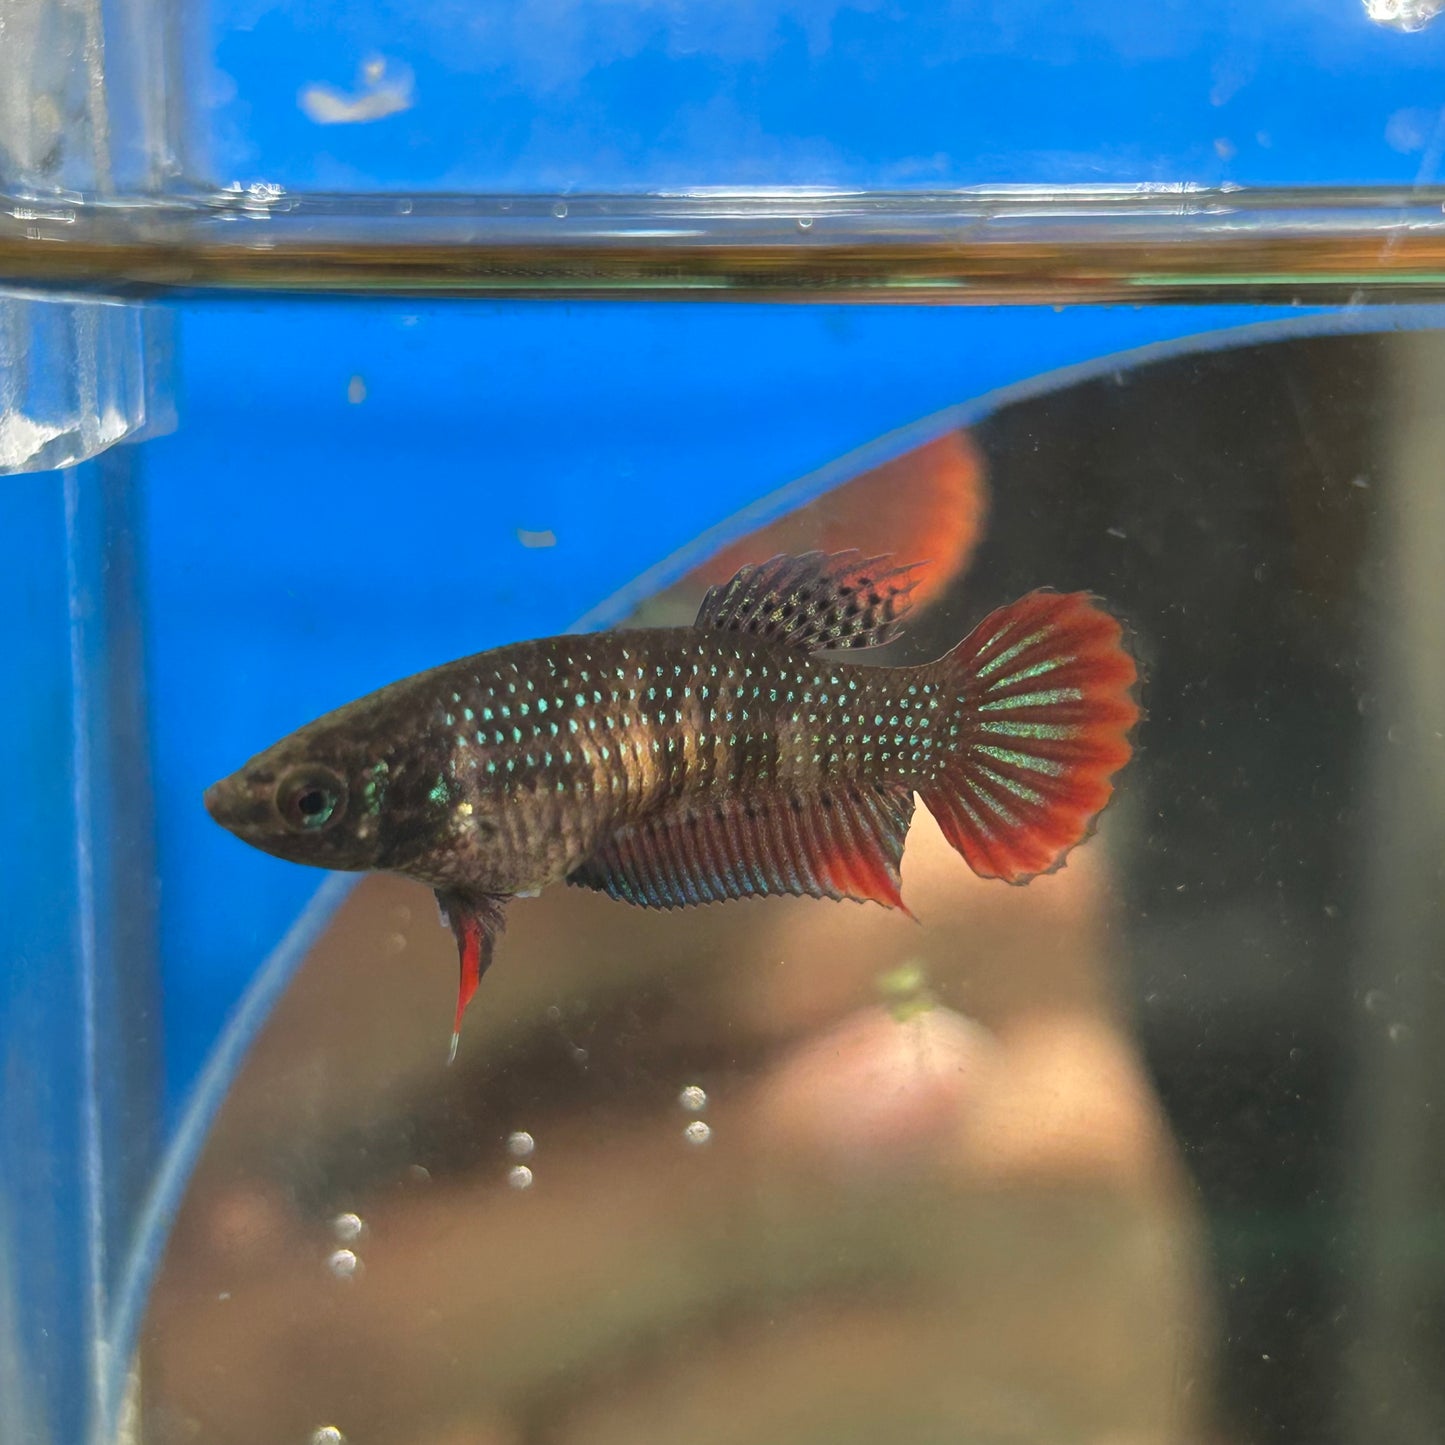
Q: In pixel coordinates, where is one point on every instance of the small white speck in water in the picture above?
(348, 1226)
(519, 1177)
(327, 1435)
(697, 1132)
(343, 1263)
(520, 1144)
(693, 1098)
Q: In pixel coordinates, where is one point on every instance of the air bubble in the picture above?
(1376, 1001)
(693, 1098)
(519, 1177)
(344, 1263)
(559, 209)
(697, 1133)
(348, 1226)
(520, 1144)
(1398, 1033)
(327, 1435)
(805, 223)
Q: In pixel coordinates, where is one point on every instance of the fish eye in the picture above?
(311, 799)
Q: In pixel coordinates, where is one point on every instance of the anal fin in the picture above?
(844, 843)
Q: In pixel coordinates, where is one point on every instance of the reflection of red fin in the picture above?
(816, 602)
(1045, 704)
(929, 502)
(476, 922)
(843, 844)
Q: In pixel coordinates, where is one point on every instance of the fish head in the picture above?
(312, 798)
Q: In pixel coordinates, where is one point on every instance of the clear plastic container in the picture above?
(345, 341)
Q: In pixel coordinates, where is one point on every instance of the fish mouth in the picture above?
(215, 801)
(239, 806)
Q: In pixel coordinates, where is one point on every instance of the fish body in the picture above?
(748, 754)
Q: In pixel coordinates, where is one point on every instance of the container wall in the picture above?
(79, 1007)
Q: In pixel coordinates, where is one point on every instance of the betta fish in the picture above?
(743, 756)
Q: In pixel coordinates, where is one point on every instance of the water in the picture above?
(1148, 1150)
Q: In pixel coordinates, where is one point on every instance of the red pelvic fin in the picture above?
(476, 922)
(1045, 690)
(846, 843)
(814, 601)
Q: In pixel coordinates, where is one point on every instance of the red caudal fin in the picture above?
(476, 922)
(1045, 702)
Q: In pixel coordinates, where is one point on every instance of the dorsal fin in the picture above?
(815, 601)
(846, 843)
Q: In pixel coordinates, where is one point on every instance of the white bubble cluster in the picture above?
(1406, 15)
(519, 1177)
(327, 1435)
(693, 1098)
(520, 1144)
(697, 1132)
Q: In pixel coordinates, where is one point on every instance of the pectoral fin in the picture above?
(476, 922)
